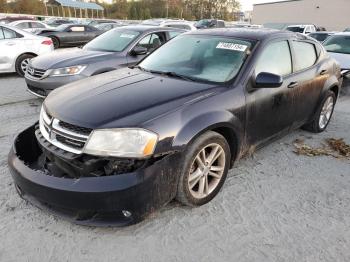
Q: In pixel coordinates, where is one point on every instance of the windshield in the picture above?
(319, 37)
(203, 22)
(338, 44)
(112, 41)
(202, 58)
(296, 29)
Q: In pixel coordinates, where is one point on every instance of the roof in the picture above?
(245, 33)
(143, 28)
(76, 4)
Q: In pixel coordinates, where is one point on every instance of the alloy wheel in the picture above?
(326, 112)
(24, 65)
(206, 170)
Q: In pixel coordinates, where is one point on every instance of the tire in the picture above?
(22, 63)
(55, 41)
(200, 194)
(323, 112)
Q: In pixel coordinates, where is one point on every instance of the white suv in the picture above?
(302, 29)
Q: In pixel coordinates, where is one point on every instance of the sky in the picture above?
(248, 4)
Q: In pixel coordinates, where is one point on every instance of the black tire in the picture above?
(314, 126)
(20, 63)
(55, 41)
(184, 194)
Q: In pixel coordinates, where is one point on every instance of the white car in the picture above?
(17, 47)
(179, 24)
(302, 29)
(30, 25)
(338, 46)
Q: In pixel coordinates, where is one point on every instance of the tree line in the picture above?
(141, 9)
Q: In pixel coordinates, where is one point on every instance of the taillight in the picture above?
(47, 42)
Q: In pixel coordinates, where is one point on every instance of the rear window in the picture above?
(338, 44)
(305, 55)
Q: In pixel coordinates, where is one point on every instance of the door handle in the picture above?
(323, 72)
(293, 84)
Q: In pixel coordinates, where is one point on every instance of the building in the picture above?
(333, 15)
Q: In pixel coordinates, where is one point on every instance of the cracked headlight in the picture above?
(67, 71)
(124, 142)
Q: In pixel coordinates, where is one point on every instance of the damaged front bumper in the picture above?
(112, 199)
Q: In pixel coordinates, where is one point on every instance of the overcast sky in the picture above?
(248, 4)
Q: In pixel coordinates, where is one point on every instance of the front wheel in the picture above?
(22, 64)
(323, 114)
(206, 164)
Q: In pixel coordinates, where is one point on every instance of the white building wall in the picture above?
(334, 15)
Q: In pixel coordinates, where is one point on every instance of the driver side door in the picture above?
(269, 110)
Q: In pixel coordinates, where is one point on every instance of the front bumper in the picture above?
(114, 200)
(42, 87)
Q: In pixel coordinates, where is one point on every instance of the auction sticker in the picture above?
(232, 46)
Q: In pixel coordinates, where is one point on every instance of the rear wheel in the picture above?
(55, 41)
(206, 164)
(22, 63)
(323, 114)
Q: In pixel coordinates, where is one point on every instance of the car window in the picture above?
(319, 37)
(9, 34)
(37, 25)
(152, 41)
(173, 34)
(338, 44)
(305, 55)
(23, 25)
(275, 59)
(77, 29)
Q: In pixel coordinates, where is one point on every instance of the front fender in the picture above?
(208, 121)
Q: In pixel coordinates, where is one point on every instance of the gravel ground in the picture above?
(275, 206)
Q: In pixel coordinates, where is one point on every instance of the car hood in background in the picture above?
(123, 98)
(343, 59)
(69, 57)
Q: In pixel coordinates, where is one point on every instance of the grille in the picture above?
(35, 72)
(74, 128)
(63, 135)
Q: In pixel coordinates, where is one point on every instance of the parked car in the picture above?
(70, 35)
(321, 36)
(107, 26)
(30, 25)
(302, 29)
(96, 22)
(9, 19)
(115, 147)
(186, 25)
(57, 22)
(17, 47)
(338, 46)
(120, 47)
(347, 29)
(210, 23)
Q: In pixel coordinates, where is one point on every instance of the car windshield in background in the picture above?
(338, 44)
(199, 58)
(319, 37)
(112, 41)
(296, 29)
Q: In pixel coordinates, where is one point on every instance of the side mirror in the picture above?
(268, 80)
(138, 50)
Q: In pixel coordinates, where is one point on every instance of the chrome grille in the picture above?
(68, 139)
(35, 72)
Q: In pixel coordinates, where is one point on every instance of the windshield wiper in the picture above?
(139, 67)
(174, 74)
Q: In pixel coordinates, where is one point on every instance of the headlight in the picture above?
(135, 143)
(68, 71)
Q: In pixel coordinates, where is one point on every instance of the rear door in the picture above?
(10, 46)
(75, 35)
(311, 72)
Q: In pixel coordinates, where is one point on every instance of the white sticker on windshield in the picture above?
(232, 46)
(127, 36)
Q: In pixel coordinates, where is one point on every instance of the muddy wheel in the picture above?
(22, 63)
(206, 164)
(323, 114)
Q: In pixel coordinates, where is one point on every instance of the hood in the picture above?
(68, 57)
(122, 98)
(342, 59)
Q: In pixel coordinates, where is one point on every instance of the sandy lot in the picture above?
(275, 206)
